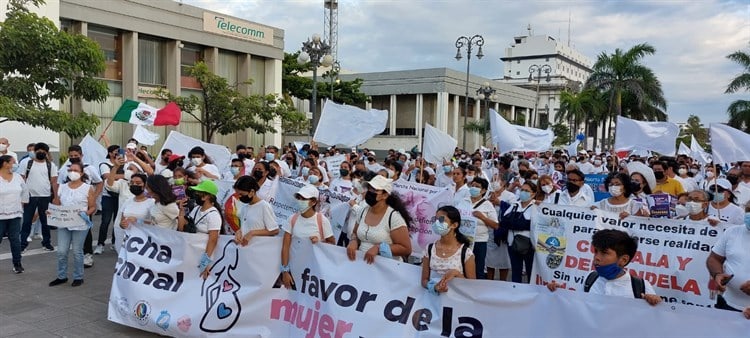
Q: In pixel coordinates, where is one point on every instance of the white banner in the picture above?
(438, 145)
(422, 201)
(333, 205)
(671, 253)
(156, 288)
(656, 136)
(64, 217)
(181, 144)
(348, 125)
(94, 152)
(145, 136)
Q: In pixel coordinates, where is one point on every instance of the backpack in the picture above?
(319, 219)
(190, 226)
(501, 233)
(464, 248)
(637, 283)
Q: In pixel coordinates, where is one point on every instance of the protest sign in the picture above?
(181, 144)
(421, 201)
(64, 217)
(596, 182)
(156, 287)
(334, 164)
(671, 253)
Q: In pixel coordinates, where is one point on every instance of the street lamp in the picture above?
(538, 69)
(315, 51)
(487, 93)
(476, 40)
(335, 68)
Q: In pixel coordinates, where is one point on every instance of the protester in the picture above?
(740, 191)
(236, 170)
(40, 175)
(202, 165)
(110, 200)
(574, 193)
(517, 219)
(136, 210)
(382, 228)
(163, 213)
(343, 184)
(723, 208)
(256, 217)
(163, 161)
(620, 202)
(449, 257)
(445, 177)
(261, 173)
(486, 217)
(664, 183)
(13, 194)
(550, 192)
(697, 205)
(727, 264)
(204, 218)
(79, 196)
(461, 193)
(5, 150)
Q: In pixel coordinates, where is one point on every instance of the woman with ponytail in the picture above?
(450, 256)
(206, 218)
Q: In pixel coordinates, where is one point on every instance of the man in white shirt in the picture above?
(110, 201)
(285, 170)
(745, 167)
(740, 191)
(727, 264)
(574, 192)
(5, 149)
(41, 179)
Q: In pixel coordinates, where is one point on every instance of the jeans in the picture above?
(65, 238)
(480, 254)
(110, 207)
(517, 263)
(13, 227)
(39, 205)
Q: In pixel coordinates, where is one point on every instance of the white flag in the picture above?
(573, 148)
(181, 144)
(438, 146)
(504, 134)
(349, 125)
(660, 137)
(728, 144)
(684, 150)
(698, 153)
(534, 139)
(94, 152)
(145, 136)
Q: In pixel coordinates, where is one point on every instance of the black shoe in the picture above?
(52, 227)
(77, 282)
(49, 247)
(58, 281)
(17, 268)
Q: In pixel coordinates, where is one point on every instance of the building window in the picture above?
(546, 59)
(518, 73)
(66, 25)
(110, 42)
(151, 61)
(228, 67)
(518, 61)
(189, 56)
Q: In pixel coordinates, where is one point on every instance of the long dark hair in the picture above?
(454, 215)
(397, 204)
(160, 188)
(291, 155)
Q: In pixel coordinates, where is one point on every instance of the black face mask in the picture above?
(257, 174)
(635, 186)
(371, 159)
(572, 187)
(659, 175)
(343, 172)
(371, 198)
(246, 199)
(136, 190)
(41, 156)
(75, 160)
(734, 179)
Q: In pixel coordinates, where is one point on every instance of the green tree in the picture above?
(223, 110)
(739, 110)
(693, 127)
(580, 107)
(481, 127)
(562, 134)
(39, 64)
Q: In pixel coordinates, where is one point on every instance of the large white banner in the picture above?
(181, 144)
(438, 145)
(671, 253)
(422, 201)
(156, 288)
(348, 125)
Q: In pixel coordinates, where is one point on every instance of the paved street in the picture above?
(30, 308)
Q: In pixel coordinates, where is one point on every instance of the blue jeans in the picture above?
(13, 227)
(40, 205)
(517, 263)
(110, 206)
(65, 238)
(480, 254)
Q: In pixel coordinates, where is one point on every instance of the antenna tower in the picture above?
(331, 25)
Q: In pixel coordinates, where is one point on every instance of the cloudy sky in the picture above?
(692, 38)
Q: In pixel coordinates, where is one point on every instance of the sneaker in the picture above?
(17, 268)
(98, 250)
(77, 282)
(49, 247)
(58, 281)
(37, 236)
(88, 260)
(29, 239)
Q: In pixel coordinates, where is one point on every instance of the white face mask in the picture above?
(547, 188)
(597, 162)
(74, 176)
(681, 210)
(469, 178)
(3, 147)
(709, 174)
(694, 208)
(682, 171)
(196, 161)
(128, 174)
(615, 190)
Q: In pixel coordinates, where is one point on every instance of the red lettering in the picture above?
(578, 263)
(583, 246)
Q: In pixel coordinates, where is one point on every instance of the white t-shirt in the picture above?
(206, 221)
(257, 216)
(341, 186)
(137, 209)
(631, 206)
(266, 190)
(731, 214)
(38, 180)
(581, 199)
(443, 180)
(308, 227)
(214, 170)
(164, 216)
(12, 194)
(734, 245)
(462, 195)
(11, 154)
(440, 266)
(158, 168)
(93, 174)
(371, 235)
(742, 193)
(75, 198)
(483, 232)
(620, 286)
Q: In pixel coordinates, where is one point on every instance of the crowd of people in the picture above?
(180, 192)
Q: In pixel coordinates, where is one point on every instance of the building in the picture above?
(435, 96)
(569, 69)
(149, 44)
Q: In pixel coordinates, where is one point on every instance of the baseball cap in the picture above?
(174, 157)
(207, 186)
(381, 183)
(308, 191)
(722, 183)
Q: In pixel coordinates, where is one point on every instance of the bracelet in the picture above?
(431, 287)
(285, 268)
(385, 250)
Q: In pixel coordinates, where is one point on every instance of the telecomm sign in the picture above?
(224, 25)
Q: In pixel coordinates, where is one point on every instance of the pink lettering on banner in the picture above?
(309, 320)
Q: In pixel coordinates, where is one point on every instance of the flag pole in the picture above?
(105, 130)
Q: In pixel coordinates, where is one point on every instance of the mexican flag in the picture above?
(134, 112)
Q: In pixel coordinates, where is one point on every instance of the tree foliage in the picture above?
(739, 110)
(224, 110)
(40, 63)
(562, 134)
(693, 128)
(481, 127)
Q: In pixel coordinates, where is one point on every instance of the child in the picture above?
(450, 256)
(613, 250)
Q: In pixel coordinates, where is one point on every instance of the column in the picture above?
(456, 113)
(528, 117)
(477, 112)
(273, 86)
(497, 108)
(173, 67)
(129, 77)
(392, 114)
(441, 116)
(368, 104)
(418, 123)
(512, 115)
(243, 74)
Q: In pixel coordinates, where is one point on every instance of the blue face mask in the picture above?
(15, 167)
(747, 220)
(305, 171)
(474, 191)
(609, 271)
(447, 169)
(524, 196)
(269, 157)
(719, 197)
(313, 179)
(440, 228)
(235, 171)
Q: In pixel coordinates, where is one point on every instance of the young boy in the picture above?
(613, 250)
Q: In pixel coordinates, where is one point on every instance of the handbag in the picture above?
(521, 244)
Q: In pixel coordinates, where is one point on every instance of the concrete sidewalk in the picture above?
(30, 308)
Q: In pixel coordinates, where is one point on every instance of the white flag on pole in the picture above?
(504, 134)
(534, 139)
(94, 152)
(573, 148)
(660, 137)
(349, 125)
(728, 144)
(698, 153)
(438, 146)
(145, 136)
(684, 150)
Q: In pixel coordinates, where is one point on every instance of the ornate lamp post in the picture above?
(487, 93)
(538, 69)
(335, 68)
(476, 40)
(317, 52)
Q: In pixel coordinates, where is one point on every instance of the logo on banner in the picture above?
(123, 307)
(222, 304)
(142, 115)
(552, 241)
(184, 323)
(141, 311)
(163, 320)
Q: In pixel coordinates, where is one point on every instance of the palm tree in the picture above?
(481, 127)
(739, 110)
(632, 88)
(577, 108)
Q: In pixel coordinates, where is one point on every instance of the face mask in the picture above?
(681, 210)
(131, 146)
(747, 220)
(30, 154)
(572, 187)
(734, 179)
(709, 174)
(235, 171)
(75, 160)
(440, 228)
(659, 175)
(547, 189)
(615, 190)
(136, 189)
(694, 171)
(371, 198)
(41, 155)
(474, 191)
(391, 173)
(682, 171)
(179, 181)
(635, 186)
(305, 171)
(270, 157)
(609, 271)
(522, 172)
(495, 186)
(3, 147)
(469, 178)
(246, 199)
(196, 161)
(718, 198)
(447, 169)
(534, 181)
(74, 176)
(302, 205)
(313, 179)
(524, 196)
(128, 174)
(257, 175)
(15, 167)
(597, 162)
(694, 208)
(370, 159)
(343, 172)
(357, 184)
